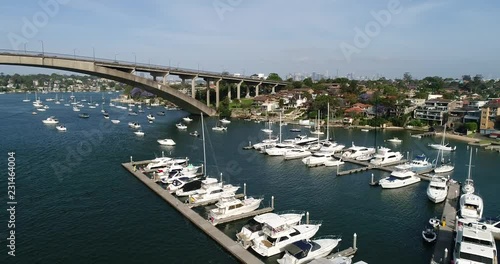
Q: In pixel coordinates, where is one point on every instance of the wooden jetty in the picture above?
(227, 243)
(443, 249)
(346, 172)
(426, 134)
(350, 251)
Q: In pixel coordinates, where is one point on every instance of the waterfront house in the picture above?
(490, 113)
(434, 110)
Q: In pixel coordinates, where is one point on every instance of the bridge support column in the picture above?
(248, 92)
(273, 91)
(165, 78)
(217, 98)
(238, 90)
(229, 93)
(257, 87)
(208, 92)
(193, 90)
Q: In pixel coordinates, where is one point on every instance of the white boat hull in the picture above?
(444, 169)
(387, 184)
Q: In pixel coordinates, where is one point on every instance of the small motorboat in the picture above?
(51, 120)
(429, 234)
(34, 113)
(115, 121)
(150, 121)
(219, 128)
(106, 116)
(267, 130)
(166, 142)
(434, 222)
(139, 133)
(194, 134)
(134, 125)
(84, 115)
(150, 117)
(161, 113)
(181, 126)
(295, 130)
(365, 130)
(61, 128)
(395, 140)
(132, 113)
(187, 119)
(225, 121)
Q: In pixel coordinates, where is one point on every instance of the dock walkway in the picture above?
(445, 233)
(227, 243)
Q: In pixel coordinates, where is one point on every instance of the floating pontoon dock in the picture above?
(227, 243)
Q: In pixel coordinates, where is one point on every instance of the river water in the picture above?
(76, 204)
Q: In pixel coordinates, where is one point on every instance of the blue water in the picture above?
(77, 204)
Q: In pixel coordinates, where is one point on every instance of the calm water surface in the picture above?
(76, 204)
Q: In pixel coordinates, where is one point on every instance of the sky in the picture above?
(447, 38)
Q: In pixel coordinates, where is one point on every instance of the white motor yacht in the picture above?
(275, 239)
(385, 155)
(219, 128)
(166, 142)
(51, 121)
(163, 162)
(474, 243)
(214, 192)
(333, 162)
(317, 159)
(297, 153)
(395, 140)
(139, 133)
(253, 229)
(471, 206)
(437, 189)
(331, 146)
(168, 179)
(357, 151)
(225, 121)
(280, 149)
(303, 251)
(419, 163)
(489, 224)
(181, 126)
(231, 206)
(398, 179)
(266, 142)
(61, 128)
(180, 183)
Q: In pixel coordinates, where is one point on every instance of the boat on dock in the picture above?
(318, 158)
(471, 205)
(385, 155)
(228, 206)
(253, 229)
(333, 162)
(181, 182)
(297, 153)
(275, 239)
(474, 244)
(398, 179)
(419, 163)
(303, 251)
(437, 189)
(357, 151)
(213, 192)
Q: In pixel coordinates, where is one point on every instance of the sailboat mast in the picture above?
(317, 126)
(204, 151)
(328, 121)
(470, 163)
(280, 127)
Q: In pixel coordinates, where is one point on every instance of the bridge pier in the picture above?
(217, 98)
(208, 92)
(193, 90)
(248, 92)
(165, 78)
(257, 87)
(273, 91)
(229, 93)
(238, 90)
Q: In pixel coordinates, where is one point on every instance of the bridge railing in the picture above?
(147, 66)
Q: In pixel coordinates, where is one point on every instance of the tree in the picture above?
(407, 78)
(224, 109)
(471, 126)
(297, 84)
(308, 82)
(274, 77)
(281, 103)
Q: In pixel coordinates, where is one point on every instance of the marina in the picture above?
(396, 216)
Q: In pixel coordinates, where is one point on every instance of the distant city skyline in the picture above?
(366, 38)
